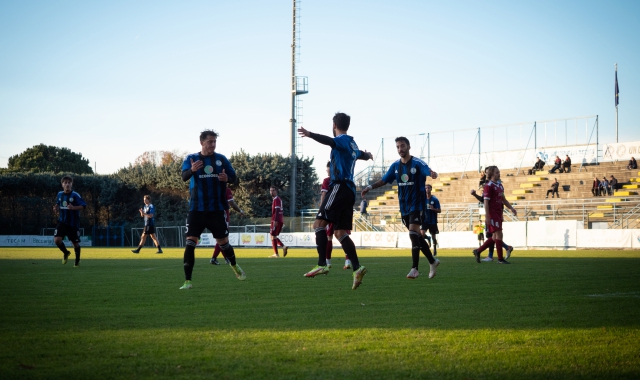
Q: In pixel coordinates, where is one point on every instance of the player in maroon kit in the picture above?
(493, 195)
(232, 203)
(277, 221)
(323, 191)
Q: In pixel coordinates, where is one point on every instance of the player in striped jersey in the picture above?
(208, 173)
(410, 173)
(68, 205)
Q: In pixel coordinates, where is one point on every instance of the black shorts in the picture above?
(148, 230)
(412, 218)
(63, 229)
(432, 228)
(215, 221)
(481, 236)
(337, 206)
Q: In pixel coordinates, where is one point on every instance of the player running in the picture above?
(337, 205)
(227, 217)
(277, 221)
(68, 205)
(148, 212)
(410, 173)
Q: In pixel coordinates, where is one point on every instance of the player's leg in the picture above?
(74, 238)
(218, 227)
(58, 235)
(195, 226)
(424, 247)
(153, 236)
(274, 236)
(216, 253)
(433, 231)
(498, 238)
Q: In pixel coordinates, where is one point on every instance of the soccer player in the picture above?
(493, 195)
(410, 173)
(208, 173)
(506, 246)
(323, 191)
(337, 206)
(68, 205)
(430, 219)
(148, 212)
(227, 218)
(277, 221)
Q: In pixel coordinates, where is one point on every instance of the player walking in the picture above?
(430, 218)
(277, 221)
(208, 173)
(410, 173)
(68, 205)
(337, 205)
(323, 191)
(493, 195)
(227, 218)
(148, 212)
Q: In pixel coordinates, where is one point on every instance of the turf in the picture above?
(551, 314)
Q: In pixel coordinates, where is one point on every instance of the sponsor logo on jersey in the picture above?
(208, 169)
(406, 184)
(404, 178)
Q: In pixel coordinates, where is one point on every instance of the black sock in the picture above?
(350, 250)
(321, 244)
(62, 247)
(189, 259)
(426, 251)
(415, 247)
(228, 253)
(77, 252)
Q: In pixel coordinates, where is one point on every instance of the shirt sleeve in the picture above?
(152, 209)
(229, 195)
(391, 174)
(426, 170)
(325, 184)
(486, 192)
(186, 164)
(80, 201)
(229, 171)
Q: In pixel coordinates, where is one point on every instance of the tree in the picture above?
(44, 158)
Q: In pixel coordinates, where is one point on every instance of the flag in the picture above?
(617, 89)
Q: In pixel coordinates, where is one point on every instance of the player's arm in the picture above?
(437, 210)
(234, 206)
(231, 176)
(376, 185)
(364, 155)
(81, 204)
(479, 198)
(189, 167)
(426, 170)
(486, 211)
(387, 178)
(322, 139)
(506, 203)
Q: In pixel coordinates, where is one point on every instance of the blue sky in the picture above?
(115, 79)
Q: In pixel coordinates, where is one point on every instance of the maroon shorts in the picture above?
(494, 223)
(276, 227)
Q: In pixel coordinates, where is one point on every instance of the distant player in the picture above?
(208, 173)
(227, 217)
(68, 205)
(410, 173)
(337, 205)
(478, 230)
(323, 191)
(430, 218)
(493, 196)
(148, 212)
(277, 222)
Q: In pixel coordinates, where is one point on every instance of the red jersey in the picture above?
(494, 192)
(276, 210)
(227, 214)
(325, 185)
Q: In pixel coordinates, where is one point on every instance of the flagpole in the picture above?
(616, 66)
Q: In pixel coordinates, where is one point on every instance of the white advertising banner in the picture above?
(457, 239)
(515, 233)
(604, 238)
(404, 241)
(635, 238)
(207, 240)
(552, 233)
(305, 239)
(379, 239)
(255, 240)
(37, 241)
(620, 151)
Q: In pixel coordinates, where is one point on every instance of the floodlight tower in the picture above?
(299, 86)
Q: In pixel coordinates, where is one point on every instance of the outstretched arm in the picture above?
(322, 139)
(371, 187)
(234, 206)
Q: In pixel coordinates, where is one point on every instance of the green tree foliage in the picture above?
(44, 158)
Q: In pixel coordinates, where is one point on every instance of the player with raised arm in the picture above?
(323, 191)
(494, 200)
(148, 212)
(277, 221)
(337, 205)
(410, 173)
(208, 173)
(68, 205)
(227, 217)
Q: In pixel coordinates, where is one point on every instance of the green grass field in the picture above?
(551, 314)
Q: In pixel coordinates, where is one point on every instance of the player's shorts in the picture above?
(337, 206)
(276, 227)
(412, 218)
(63, 229)
(432, 228)
(481, 236)
(148, 230)
(197, 221)
(495, 223)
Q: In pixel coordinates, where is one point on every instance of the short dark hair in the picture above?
(66, 178)
(403, 139)
(342, 121)
(206, 133)
(273, 187)
(147, 197)
(328, 163)
(428, 184)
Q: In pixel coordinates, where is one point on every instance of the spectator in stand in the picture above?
(632, 164)
(363, 207)
(539, 165)
(604, 185)
(613, 184)
(483, 180)
(556, 165)
(566, 165)
(554, 189)
(595, 187)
